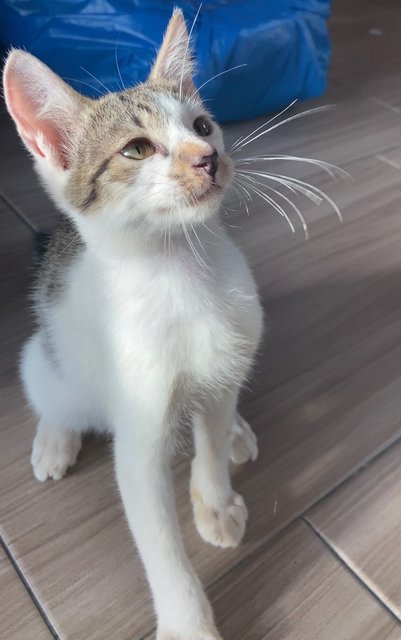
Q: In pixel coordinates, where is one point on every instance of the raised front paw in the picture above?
(53, 452)
(223, 526)
(244, 445)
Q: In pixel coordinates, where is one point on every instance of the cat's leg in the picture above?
(54, 450)
(244, 445)
(220, 513)
(144, 478)
(56, 444)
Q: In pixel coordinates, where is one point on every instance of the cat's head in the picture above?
(150, 155)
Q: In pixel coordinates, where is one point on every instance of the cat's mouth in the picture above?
(212, 190)
(193, 200)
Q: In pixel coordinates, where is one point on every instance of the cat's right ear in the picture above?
(45, 109)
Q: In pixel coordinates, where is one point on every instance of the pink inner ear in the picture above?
(24, 109)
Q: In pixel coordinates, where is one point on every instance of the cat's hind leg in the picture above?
(54, 450)
(58, 438)
(244, 445)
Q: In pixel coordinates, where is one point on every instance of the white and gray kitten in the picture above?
(145, 308)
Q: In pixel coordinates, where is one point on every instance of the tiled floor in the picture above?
(321, 559)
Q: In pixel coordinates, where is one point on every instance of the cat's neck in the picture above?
(130, 244)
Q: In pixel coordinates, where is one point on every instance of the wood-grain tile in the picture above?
(367, 48)
(362, 522)
(294, 589)
(20, 619)
(18, 179)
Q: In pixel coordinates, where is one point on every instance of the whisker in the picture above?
(315, 190)
(287, 181)
(242, 188)
(187, 47)
(280, 124)
(247, 194)
(331, 169)
(275, 205)
(239, 194)
(238, 66)
(309, 190)
(123, 87)
(85, 83)
(97, 80)
(199, 242)
(211, 230)
(241, 139)
(289, 201)
(196, 255)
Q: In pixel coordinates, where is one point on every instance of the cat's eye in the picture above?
(202, 126)
(138, 149)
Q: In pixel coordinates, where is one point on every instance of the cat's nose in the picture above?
(208, 164)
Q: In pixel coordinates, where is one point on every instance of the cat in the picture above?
(146, 310)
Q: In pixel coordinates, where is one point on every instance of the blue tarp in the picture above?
(284, 44)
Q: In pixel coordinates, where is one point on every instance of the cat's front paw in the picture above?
(53, 452)
(244, 444)
(223, 526)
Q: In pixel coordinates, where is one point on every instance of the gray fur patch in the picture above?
(64, 246)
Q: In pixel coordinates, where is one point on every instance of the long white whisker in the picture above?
(313, 193)
(280, 124)
(211, 230)
(196, 255)
(287, 181)
(247, 194)
(241, 139)
(94, 77)
(85, 83)
(238, 66)
(123, 87)
(238, 192)
(187, 47)
(274, 204)
(199, 242)
(331, 169)
(290, 202)
(265, 175)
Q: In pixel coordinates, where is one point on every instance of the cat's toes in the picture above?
(244, 444)
(53, 452)
(223, 527)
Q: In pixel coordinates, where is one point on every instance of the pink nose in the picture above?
(208, 164)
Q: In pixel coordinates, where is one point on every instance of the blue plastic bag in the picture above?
(284, 44)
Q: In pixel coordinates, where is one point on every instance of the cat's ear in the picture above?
(45, 109)
(174, 61)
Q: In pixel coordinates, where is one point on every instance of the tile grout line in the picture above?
(18, 213)
(28, 588)
(349, 570)
(349, 477)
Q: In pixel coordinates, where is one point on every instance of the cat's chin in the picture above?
(211, 198)
(210, 194)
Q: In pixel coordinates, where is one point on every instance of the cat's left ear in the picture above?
(174, 61)
(45, 109)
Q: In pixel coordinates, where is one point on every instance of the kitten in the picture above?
(146, 311)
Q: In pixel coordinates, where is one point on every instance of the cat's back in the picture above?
(63, 249)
